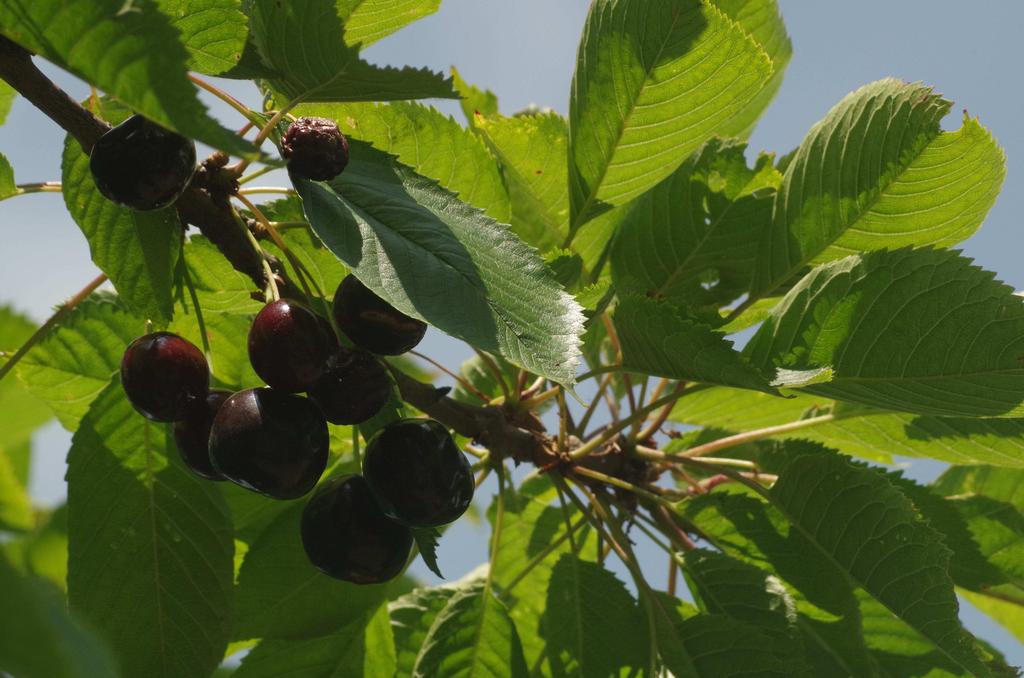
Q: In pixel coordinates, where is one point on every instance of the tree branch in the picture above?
(17, 69)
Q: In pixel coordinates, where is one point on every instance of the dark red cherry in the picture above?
(270, 442)
(141, 165)
(346, 536)
(418, 475)
(315, 149)
(288, 346)
(162, 374)
(372, 323)
(354, 389)
(192, 434)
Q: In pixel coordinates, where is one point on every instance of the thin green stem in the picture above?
(356, 451)
(595, 443)
(275, 294)
(592, 407)
(458, 378)
(622, 484)
(203, 336)
(541, 398)
(255, 175)
(308, 285)
(598, 371)
(40, 187)
(45, 328)
(257, 190)
(662, 416)
(755, 435)
(566, 517)
(495, 372)
(499, 523)
(223, 96)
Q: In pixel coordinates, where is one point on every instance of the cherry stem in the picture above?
(592, 408)
(300, 269)
(257, 190)
(567, 517)
(540, 399)
(499, 522)
(255, 175)
(495, 372)
(203, 337)
(266, 130)
(231, 101)
(662, 416)
(595, 443)
(753, 436)
(458, 378)
(618, 482)
(41, 187)
(356, 452)
(45, 328)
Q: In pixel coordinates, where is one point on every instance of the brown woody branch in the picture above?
(205, 205)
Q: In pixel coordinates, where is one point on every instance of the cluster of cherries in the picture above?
(274, 441)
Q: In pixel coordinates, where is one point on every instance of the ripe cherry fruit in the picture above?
(418, 475)
(192, 434)
(372, 323)
(163, 374)
(141, 165)
(315, 149)
(346, 536)
(355, 387)
(289, 346)
(270, 442)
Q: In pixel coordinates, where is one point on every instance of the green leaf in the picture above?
(829, 614)
(7, 96)
(303, 40)
(762, 21)
(218, 286)
(20, 412)
(412, 615)
(473, 635)
(692, 239)
(15, 504)
(532, 151)
(717, 646)
(592, 625)
(150, 550)
(364, 647)
(280, 595)
(431, 143)
(426, 543)
(871, 531)
(474, 100)
(137, 250)
(657, 340)
(919, 331)
(134, 55)
(8, 188)
(69, 368)
(654, 80)
(367, 21)
(439, 260)
(878, 172)
(213, 31)
(861, 431)
(38, 639)
(44, 551)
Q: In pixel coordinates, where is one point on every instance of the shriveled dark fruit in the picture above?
(346, 536)
(354, 388)
(163, 374)
(288, 346)
(315, 149)
(270, 442)
(141, 165)
(372, 323)
(192, 434)
(418, 475)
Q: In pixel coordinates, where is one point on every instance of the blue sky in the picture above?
(524, 50)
